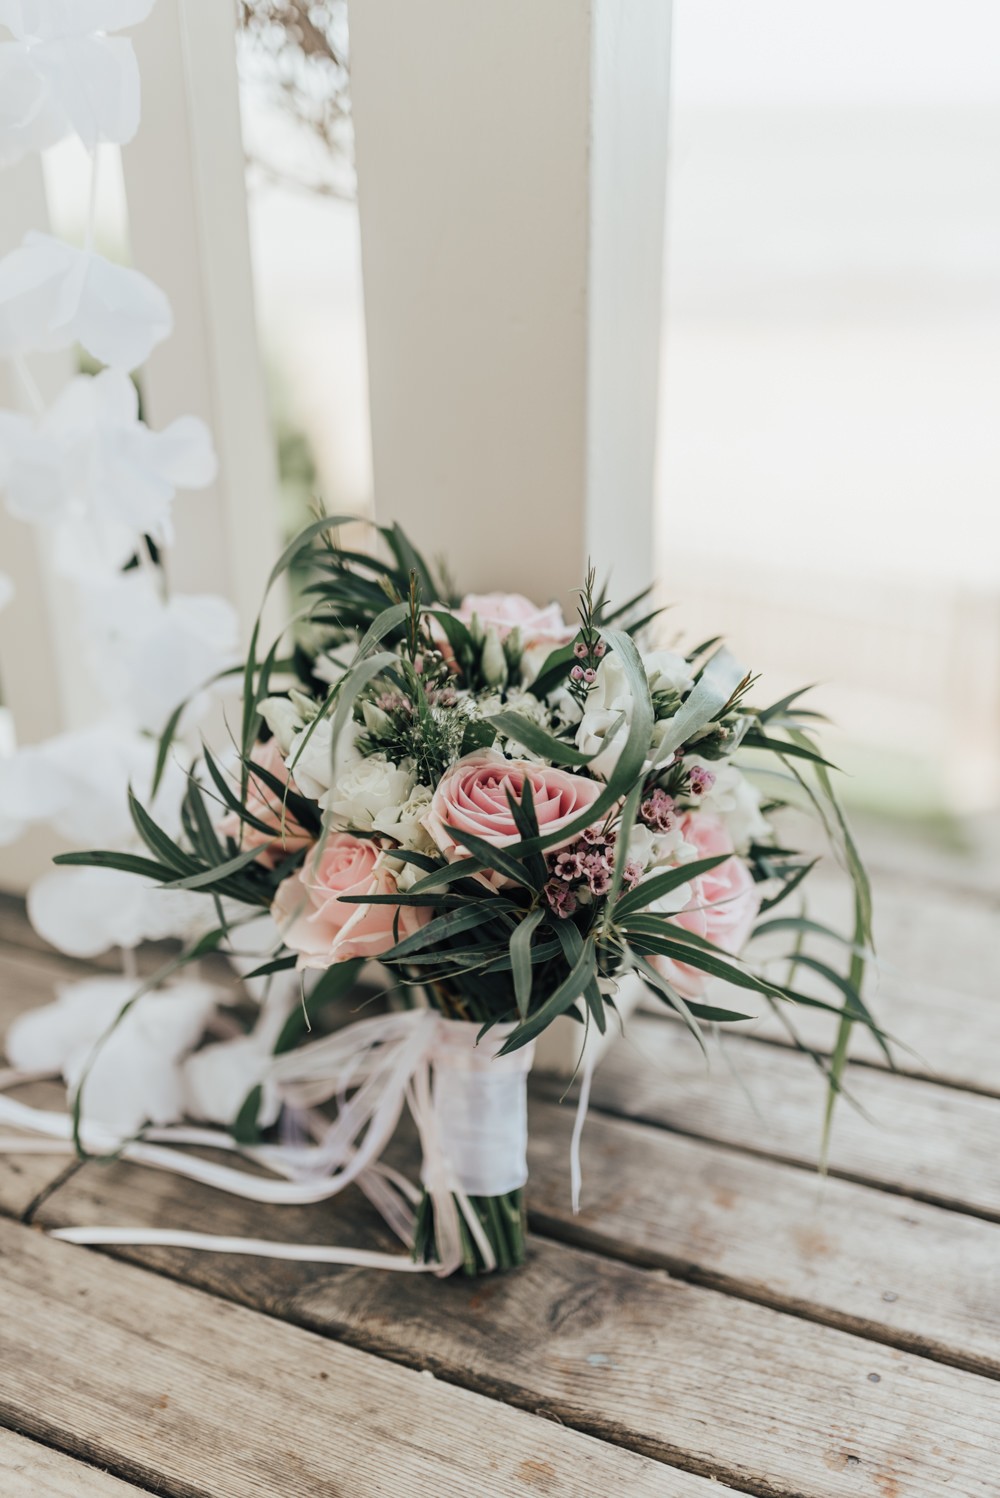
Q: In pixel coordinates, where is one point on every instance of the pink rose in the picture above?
(723, 905)
(266, 805)
(472, 797)
(314, 919)
(508, 611)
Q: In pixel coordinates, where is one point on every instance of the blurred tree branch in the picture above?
(293, 54)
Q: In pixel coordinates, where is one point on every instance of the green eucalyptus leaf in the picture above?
(520, 959)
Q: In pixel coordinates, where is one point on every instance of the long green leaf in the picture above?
(567, 993)
(488, 856)
(754, 740)
(125, 863)
(387, 621)
(444, 928)
(668, 993)
(522, 730)
(520, 959)
(658, 885)
(217, 874)
(334, 984)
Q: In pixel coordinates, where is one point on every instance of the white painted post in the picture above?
(186, 192)
(511, 183)
(512, 169)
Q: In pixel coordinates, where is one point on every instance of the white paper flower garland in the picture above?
(101, 484)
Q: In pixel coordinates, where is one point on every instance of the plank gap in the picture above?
(41, 1197)
(101, 1469)
(690, 1273)
(936, 1079)
(808, 1167)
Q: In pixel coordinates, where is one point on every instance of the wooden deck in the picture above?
(716, 1320)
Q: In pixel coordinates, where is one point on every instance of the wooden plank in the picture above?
(922, 1140)
(769, 1403)
(202, 1399)
(931, 986)
(28, 1470)
(834, 1251)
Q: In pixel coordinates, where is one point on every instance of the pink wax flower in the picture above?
(472, 797)
(657, 811)
(265, 804)
(560, 898)
(723, 906)
(700, 780)
(316, 921)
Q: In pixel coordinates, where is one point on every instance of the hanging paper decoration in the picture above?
(90, 467)
(53, 296)
(63, 74)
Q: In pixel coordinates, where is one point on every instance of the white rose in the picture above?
(310, 758)
(366, 788)
(403, 824)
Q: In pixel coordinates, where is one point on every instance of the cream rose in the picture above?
(317, 922)
(286, 835)
(723, 905)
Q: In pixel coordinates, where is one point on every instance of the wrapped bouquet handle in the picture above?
(470, 1109)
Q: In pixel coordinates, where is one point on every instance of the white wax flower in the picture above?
(92, 468)
(367, 788)
(53, 295)
(134, 1078)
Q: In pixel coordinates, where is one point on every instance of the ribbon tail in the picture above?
(583, 1103)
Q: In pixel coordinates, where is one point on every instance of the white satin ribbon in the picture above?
(473, 1142)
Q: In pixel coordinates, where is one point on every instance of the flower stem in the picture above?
(503, 1222)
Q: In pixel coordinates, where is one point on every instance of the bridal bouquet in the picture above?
(511, 813)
